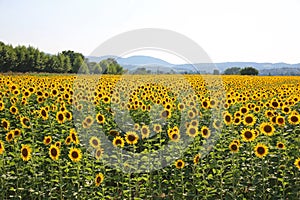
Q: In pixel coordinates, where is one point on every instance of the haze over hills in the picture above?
(156, 64)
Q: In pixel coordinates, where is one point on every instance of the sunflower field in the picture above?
(149, 137)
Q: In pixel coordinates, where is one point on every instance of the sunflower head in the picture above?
(261, 150)
(280, 145)
(234, 147)
(205, 132)
(179, 164)
(75, 154)
(26, 152)
(54, 152)
(248, 135)
(47, 140)
(197, 158)
(94, 142)
(297, 163)
(2, 149)
(99, 179)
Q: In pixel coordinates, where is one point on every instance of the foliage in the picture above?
(232, 71)
(249, 71)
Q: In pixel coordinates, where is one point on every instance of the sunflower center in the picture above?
(192, 131)
(280, 120)
(174, 136)
(261, 150)
(205, 131)
(95, 142)
(53, 152)
(294, 119)
(74, 154)
(98, 179)
(249, 120)
(44, 113)
(234, 147)
(248, 134)
(9, 136)
(118, 141)
(48, 140)
(227, 118)
(267, 129)
(60, 117)
(179, 164)
(100, 118)
(280, 145)
(131, 138)
(25, 152)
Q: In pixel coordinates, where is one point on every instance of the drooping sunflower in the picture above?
(26, 152)
(99, 179)
(192, 131)
(248, 135)
(99, 153)
(60, 117)
(74, 137)
(75, 154)
(249, 120)
(297, 163)
(68, 140)
(280, 145)
(205, 132)
(179, 164)
(234, 147)
(100, 118)
(131, 137)
(94, 142)
(5, 124)
(267, 129)
(145, 131)
(197, 158)
(237, 142)
(2, 149)
(54, 152)
(261, 150)
(118, 141)
(47, 140)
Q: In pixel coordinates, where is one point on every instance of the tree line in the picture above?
(239, 71)
(30, 59)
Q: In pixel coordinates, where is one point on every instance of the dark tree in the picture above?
(232, 71)
(249, 71)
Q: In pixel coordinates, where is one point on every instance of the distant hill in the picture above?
(156, 64)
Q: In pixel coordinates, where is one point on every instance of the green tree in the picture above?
(232, 70)
(216, 72)
(249, 71)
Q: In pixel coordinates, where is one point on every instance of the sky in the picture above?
(228, 30)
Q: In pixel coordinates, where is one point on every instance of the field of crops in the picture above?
(149, 137)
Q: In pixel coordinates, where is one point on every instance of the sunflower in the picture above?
(5, 124)
(260, 150)
(174, 136)
(68, 115)
(249, 120)
(68, 140)
(237, 142)
(179, 164)
(118, 141)
(114, 133)
(60, 117)
(2, 149)
(47, 140)
(197, 158)
(205, 132)
(74, 137)
(234, 147)
(58, 144)
(98, 153)
(267, 129)
(294, 119)
(10, 136)
(131, 137)
(145, 131)
(180, 106)
(165, 114)
(94, 142)
(100, 118)
(286, 109)
(13, 110)
(88, 121)
(244, 110)
(136, 126)
(54, 152)
(75, 154)
(227, 118)
(217, 124)
(44, 114)
(280, 120)
(2, 105)
(248, 135)
(157, 128)
(237, 121)
(99, 179)
(26, 152)
(280, 145)
(192, 131)
(297, 163)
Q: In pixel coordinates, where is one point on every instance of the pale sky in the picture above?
(228, 30)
